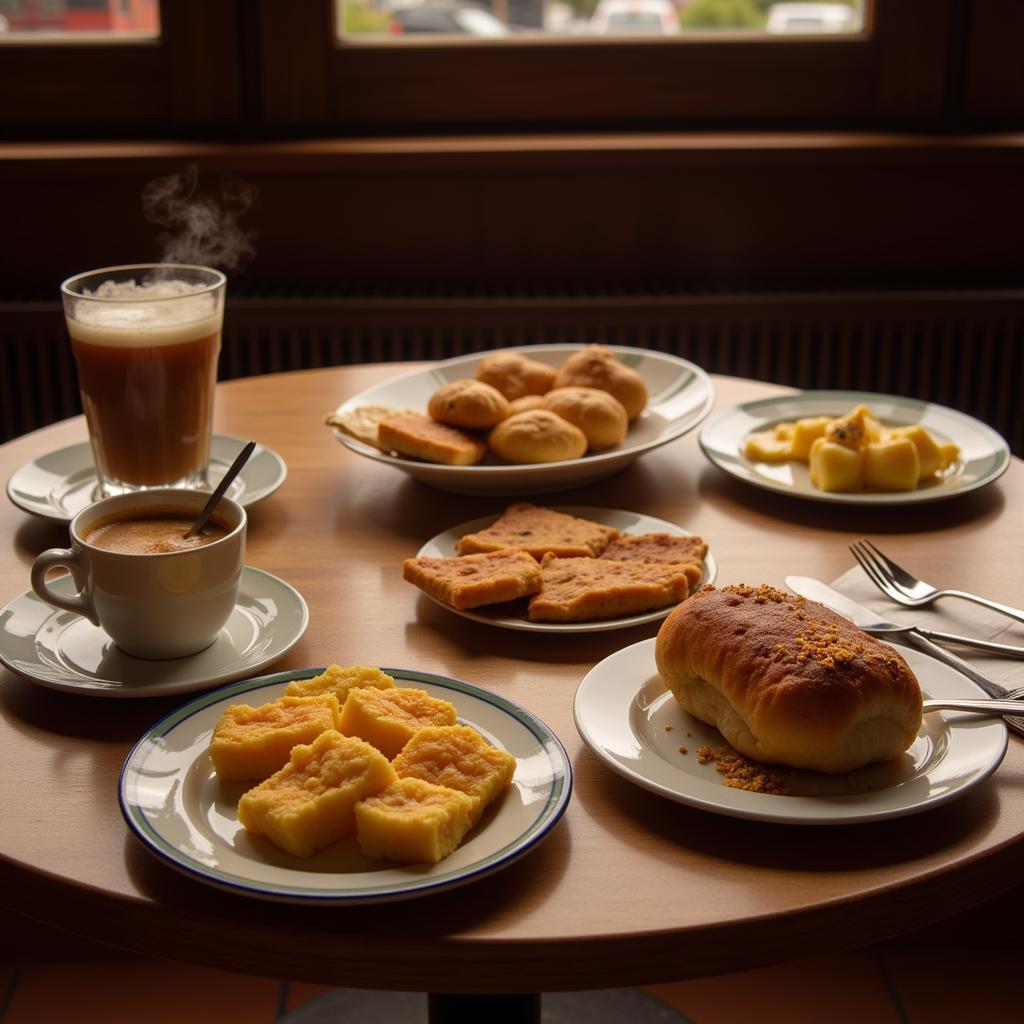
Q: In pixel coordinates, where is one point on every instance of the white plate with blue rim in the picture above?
(512, 614)
(984, 454)
(680, 396)
(60, 484)
(174, 803)
(630, 720)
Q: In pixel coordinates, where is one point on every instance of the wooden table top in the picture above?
(629, 888)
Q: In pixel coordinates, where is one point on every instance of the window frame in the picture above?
(75, 87)
(895, 72)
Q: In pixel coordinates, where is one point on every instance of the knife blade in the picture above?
(872, 622)
(815, 590)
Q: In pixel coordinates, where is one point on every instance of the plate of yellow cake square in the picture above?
(345, 785)
(562, 569)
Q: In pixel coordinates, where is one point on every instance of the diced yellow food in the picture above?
(784, 431)
(805, 432)
(389, 718)
(457, 757)
(766, 447)
(950, 453)
(933, 457)
(339, 681)
(892, 465)
(252, 743)
(835, 467)
(854, 430)
(310, 803)
(413, 820)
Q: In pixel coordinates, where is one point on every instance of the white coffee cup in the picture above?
(166, 605)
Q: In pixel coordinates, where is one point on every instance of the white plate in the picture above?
(64, 651)
(984, 455)
(443, 546)
(59, 485)
(623, 712)
(680, 396)
(174, 803)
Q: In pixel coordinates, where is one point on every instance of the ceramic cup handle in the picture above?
(68, 559)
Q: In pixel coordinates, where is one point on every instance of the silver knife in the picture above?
(871, 622)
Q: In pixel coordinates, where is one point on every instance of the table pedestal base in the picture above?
(357, 1006)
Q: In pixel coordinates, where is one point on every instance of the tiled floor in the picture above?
(894, 984)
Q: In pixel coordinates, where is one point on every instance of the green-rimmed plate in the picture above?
(984, 455)
(173, 801)
(680, 395)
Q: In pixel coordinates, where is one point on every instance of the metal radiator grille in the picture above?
(967, 353)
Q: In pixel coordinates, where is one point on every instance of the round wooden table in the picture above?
(629, 888)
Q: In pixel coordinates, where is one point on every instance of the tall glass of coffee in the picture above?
(146, 339)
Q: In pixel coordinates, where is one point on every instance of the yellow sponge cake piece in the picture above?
(252, 743)
(413, 820)
(310, 803)
(339, 680)
(459, 758)
(389, 718)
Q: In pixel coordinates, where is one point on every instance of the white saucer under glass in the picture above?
(60, 484)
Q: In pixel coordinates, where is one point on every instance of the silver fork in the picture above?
(895, 582)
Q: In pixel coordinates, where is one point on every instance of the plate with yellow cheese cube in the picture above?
(345, 785)
(855, 448)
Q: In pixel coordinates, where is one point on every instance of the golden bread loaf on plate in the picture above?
(788, 681)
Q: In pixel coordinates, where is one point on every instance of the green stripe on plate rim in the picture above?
(543, 736)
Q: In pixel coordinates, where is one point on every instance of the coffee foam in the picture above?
(183, 314)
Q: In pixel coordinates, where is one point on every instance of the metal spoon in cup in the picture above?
(233, 470)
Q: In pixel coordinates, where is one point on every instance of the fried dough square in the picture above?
(584, 589)
(474, 580)
(539, 531)
(663, 548)
(411, 433)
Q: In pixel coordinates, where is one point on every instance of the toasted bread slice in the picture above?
(539, 530)
(411, 433)
(664, 548)
(475, 580)
(583, 589)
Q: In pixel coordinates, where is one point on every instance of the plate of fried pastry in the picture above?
(753, 703)
(345, 785)
(527, 420)
(562, 570)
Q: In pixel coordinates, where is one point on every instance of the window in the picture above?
(87, 67)
(886, 61)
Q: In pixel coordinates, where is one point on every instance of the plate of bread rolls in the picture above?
(756, 704)
(526, 420)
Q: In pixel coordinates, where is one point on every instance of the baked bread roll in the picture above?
(537, 435)
(598, 414)
(515, 375)
(788, 681)
(597, 367)
(468, 403)
(525, 403)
